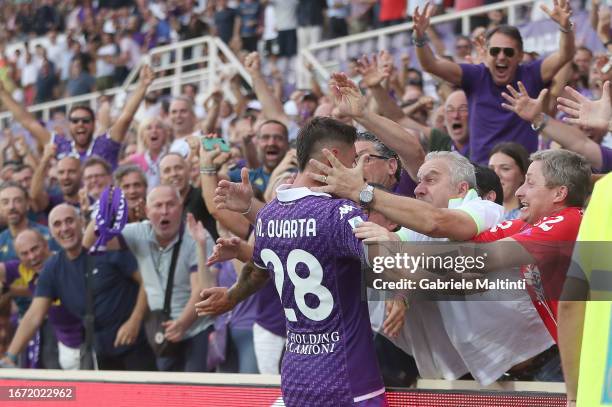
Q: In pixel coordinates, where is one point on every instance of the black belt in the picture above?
(528, 372)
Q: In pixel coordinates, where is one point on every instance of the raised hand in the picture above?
(585, 112)
(372, 72)
(197, 231)
(213, 158)
(346, 95)
(147, 75)
(520, 103)
(560, 14)
(235, 196)
(252, 63)
(225, 249)
(421, 20)
(603, 23)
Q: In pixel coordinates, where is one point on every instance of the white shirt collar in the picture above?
(285, 193)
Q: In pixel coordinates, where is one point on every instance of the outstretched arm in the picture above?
(582, 111)
(25, 118)
(120, 128)
(272, 107)
(32, 320)
(560, 14)
(570, 137)
(440, 67)
(348, 99)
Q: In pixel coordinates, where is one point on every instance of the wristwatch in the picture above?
(540, 126)
(366, 196)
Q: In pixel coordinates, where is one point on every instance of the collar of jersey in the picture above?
(456, 202)
(284, 193)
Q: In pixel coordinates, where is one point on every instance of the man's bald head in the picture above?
(65, 226)
(32, 249)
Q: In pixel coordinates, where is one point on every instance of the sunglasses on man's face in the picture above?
(77, 120)
(494, 51)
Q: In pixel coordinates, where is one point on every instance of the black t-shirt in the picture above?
(115, 292)
(224, 22)
(194, 203)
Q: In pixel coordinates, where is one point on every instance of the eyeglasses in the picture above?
(77, 120)
(461, 109)
(372, 156)
(494, 51)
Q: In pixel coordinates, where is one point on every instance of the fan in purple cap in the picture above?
(111, 217)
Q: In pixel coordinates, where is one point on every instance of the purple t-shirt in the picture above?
(489, 122)
(243, 314)
(306, 242)
(606, 159)
(68, 328)
(102, 146)
(405, 186)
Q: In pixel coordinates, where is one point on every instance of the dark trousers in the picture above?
(191, 357)
(140, 357)
(338, 27)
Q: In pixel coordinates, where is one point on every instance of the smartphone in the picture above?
(209, 144)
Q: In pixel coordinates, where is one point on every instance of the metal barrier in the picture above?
(209, 57)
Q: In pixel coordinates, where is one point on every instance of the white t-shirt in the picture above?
(485, 338)
(286, 14)
(103, 68)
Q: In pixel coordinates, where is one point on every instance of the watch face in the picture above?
(366, 196)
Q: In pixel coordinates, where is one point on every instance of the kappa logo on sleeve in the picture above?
(344, 209)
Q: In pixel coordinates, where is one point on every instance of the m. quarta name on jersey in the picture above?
(287, 228)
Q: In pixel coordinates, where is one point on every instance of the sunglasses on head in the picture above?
(76, 120)
(509, 52)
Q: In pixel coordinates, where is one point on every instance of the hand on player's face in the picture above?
(341, 181)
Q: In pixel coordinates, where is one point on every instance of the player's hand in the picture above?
(346, 96)
(234, 196)
(396, 312)
(225, 249)
(560, 14)
(421, 20)
(372, 232)
(216, 301)
(127, 333)
(585, 112)
(341, 181)
(520, 103)
(174, 330)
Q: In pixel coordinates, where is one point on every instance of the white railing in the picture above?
(202, 68)
(383, 35)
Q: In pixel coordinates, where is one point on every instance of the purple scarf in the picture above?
(111, 217)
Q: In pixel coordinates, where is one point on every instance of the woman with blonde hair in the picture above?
(153, 141)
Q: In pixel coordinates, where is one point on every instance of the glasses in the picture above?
(372, 156)
(509, 52)
(91, 177)
(461, 109)
(77, 120)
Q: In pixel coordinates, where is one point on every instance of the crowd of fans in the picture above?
(495, 104)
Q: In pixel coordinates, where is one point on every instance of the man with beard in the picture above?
(272, 143)
(119, 300)
(69, 177)
(81, 142)
(14, 208)
(20, 278)
(133, 182)
(175, 171)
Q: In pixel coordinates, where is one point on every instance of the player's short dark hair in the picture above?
(82, 107)
(487, 181)
(507, 30)
(314, 135)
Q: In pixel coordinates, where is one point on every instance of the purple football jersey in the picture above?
(305, 240)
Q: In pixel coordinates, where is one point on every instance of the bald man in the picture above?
(119, 301)
(20, 278)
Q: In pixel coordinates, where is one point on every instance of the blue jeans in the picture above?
(550, 371)
(240, 352)
(191, 357)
